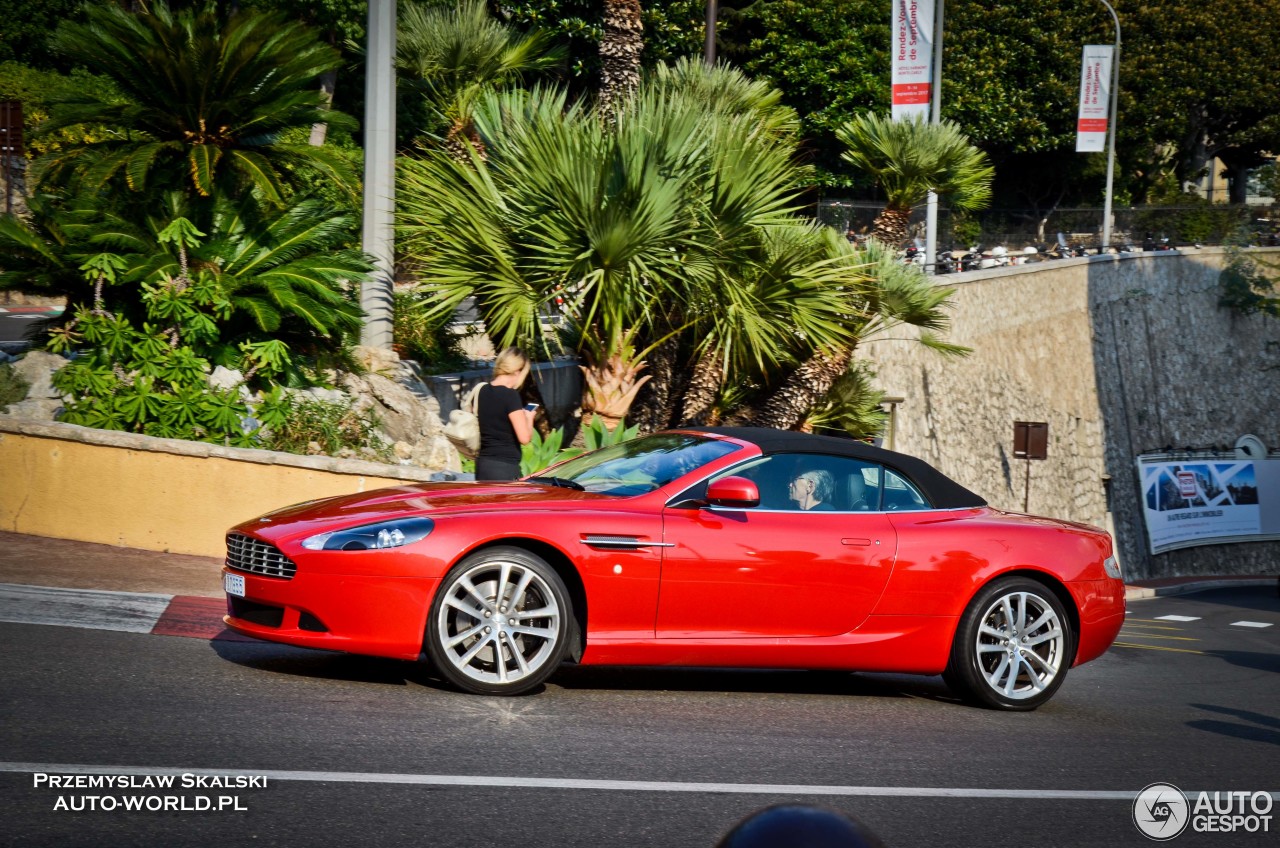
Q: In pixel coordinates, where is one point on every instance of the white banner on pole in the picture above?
(912, 52)
(1095, 98)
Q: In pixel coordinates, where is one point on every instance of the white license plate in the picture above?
(233, 583)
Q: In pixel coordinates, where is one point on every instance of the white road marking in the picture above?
(1250, 624)
(131, 612)
(582, 783)
(1177, 618)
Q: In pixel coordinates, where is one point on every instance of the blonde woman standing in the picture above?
(505, 423)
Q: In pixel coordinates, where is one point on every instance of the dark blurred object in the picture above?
(799, 826)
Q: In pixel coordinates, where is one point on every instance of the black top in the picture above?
(942, 491)
(494, 406)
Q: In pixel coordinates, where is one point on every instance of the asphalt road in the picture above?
(362, 751)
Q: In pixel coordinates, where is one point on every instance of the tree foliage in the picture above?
(203, 101)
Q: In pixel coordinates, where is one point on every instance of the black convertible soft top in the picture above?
(942, 491)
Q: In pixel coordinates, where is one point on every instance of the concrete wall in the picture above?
(1119, 355)
(73, 482)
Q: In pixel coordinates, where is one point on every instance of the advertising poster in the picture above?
(1209, 501)
(912, 52)
(1095, 98)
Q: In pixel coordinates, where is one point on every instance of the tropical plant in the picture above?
(641, 232)
(423, 336)
(311, 426)
(152, 378)
(908, 159)
(621, 43)
(898, 295)
(852, 408)
(451, 54)
(284, 274)
(203, 100)
(541, 452)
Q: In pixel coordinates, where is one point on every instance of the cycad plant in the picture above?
(205, 99)
(909, 158)
(284, 275)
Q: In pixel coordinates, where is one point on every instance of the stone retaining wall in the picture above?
(1120, 355)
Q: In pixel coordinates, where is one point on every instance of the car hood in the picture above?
(423, 499)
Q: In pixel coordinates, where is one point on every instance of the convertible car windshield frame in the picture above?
(639, 466)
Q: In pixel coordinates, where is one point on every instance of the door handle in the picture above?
(862, 542)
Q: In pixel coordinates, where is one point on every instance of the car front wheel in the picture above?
(500, 623)
(1012, 647)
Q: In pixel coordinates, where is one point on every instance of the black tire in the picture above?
(482, 642)
(1012, 647)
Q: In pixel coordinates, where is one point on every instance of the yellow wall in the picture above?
(155, 494)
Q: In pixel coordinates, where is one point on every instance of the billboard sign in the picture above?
(1209, 500)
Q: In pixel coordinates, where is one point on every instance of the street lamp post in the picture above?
(378, 235)
(709, 49)
(1112, 129)
(935, 116)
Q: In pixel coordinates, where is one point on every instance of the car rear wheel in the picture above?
(1013, 646)
(500, 623)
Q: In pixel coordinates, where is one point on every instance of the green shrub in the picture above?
(12, 387)
(425, 338)
(304, 425)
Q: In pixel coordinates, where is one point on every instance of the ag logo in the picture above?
(1161, 811)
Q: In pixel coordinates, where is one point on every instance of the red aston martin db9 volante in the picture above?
(718, 547)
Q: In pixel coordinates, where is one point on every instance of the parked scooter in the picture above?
(944, 263)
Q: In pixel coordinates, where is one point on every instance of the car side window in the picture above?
(901, 494)
(806, 482)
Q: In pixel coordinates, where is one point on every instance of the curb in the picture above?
(1139, 593)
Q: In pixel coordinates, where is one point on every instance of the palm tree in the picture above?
(898, 295)
(621, 44)
(450, 55)
(909, 158)
(679, 220)
(205, 101)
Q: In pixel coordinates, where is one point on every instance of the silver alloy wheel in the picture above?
(1020, 645)
(499, 622)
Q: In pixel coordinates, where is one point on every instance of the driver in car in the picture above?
(812, 489)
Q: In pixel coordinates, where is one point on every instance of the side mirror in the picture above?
(736, 492)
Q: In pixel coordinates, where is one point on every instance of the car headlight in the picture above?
(1112, 566)
(384, 534)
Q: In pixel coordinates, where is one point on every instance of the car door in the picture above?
(775, 570)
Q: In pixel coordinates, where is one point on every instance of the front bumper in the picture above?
(360, 614)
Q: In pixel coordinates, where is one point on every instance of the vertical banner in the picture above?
(1095, 98)
(912, 52)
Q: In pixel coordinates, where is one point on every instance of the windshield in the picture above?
(637, 466)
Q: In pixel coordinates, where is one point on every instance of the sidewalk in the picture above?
(58, 563)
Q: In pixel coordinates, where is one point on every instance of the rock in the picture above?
(225, 378)
(35, 409)
(37, 368)
(377, 360)
(402, 415)
(402, 450)
(436, 452)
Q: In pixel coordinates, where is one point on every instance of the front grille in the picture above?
(245, 553)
